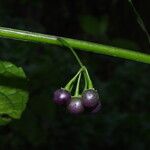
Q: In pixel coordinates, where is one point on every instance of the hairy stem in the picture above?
(81, 45)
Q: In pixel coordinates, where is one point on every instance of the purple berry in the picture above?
(75, 106)
(97, 108)
(61, 97)
(90, 98)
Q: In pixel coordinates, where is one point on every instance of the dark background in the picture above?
(124, 86)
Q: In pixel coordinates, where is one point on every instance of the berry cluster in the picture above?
(88, 101)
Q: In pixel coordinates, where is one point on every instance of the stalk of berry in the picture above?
(63, 96)
(90, 97)
(75, 106)
(70, 84)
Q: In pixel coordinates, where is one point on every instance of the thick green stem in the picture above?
(81, 45)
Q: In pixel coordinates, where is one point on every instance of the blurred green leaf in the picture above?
(94, 26)
(13, 94)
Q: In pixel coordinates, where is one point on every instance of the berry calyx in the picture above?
(61, 97)
(75, 106)
(90, 98)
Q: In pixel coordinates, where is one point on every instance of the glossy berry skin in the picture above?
(97, 108)
(75, 106)
(62, 97)
(90, 98)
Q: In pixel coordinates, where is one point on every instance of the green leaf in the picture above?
(13, 92)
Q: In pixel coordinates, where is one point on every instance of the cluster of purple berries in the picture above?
(88, 101)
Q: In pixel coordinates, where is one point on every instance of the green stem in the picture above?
(72, 50)
(81, 45)
(88, 79)
(85, 81)
(68, 87)
(78, 87)
(76, 56)
(140, 20)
